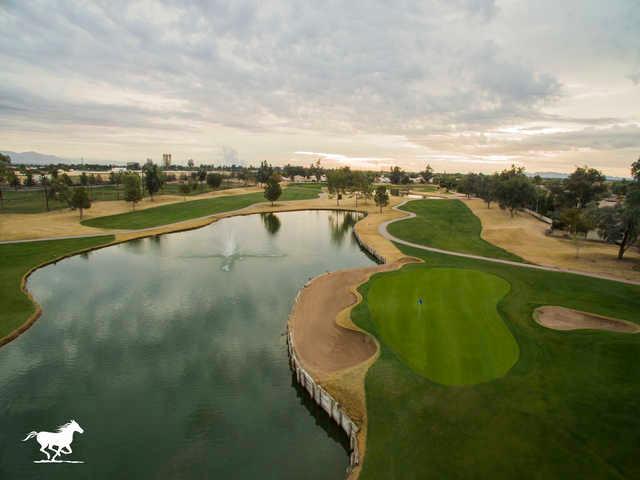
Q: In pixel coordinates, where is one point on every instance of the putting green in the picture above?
(456, 336)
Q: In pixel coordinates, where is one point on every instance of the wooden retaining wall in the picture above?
(325, 401)
(371, 251)
(315, 390)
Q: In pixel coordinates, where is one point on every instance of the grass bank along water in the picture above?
(176, 212)
(17, 261)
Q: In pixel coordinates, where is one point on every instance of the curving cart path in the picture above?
(382, 230)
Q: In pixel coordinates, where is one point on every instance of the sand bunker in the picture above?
(323, 346)
(560, 318)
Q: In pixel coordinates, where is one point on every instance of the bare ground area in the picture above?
(560, 318)
(323, 346)
(524, 236)
(65, 222)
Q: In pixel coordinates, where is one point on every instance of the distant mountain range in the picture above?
(566, 175)
(35, 158)
(548, 174)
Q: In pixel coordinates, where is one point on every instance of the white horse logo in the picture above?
(58, 442)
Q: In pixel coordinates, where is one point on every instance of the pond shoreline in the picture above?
(355, 433)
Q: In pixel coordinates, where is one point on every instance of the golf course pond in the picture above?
(170, 353)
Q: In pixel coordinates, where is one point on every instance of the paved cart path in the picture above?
(382, 229)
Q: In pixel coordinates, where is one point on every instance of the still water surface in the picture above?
(170, 353)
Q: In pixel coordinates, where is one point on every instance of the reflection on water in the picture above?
(271, 222)
(174, 368)
(341, 224)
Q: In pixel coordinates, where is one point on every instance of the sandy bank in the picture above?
(560, 318)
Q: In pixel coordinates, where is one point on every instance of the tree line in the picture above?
(573, 204)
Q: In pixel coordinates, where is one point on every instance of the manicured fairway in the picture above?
(568, 408)
(449, 225)
(455, 336)
(176, 212)
(16, 260)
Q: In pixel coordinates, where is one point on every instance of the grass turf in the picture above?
(176, 212)
(17, 259)
(449, 225)
(455, 336)
(568, 408)
(32, 201)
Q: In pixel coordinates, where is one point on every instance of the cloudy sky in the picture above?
(460, 84)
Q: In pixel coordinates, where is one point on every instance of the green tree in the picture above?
(578, 223)
(621, 224)
(469, 184)
(202, 174)
(584, 186)
(264, 172)
(514, 190)
(131, 186)
(427, 173)
(13, 179)
(337, 181)
(214, 180)
(152, 178)
(316, 170)
(184, 190)
(447, 181)
(5, 162)
(61, 191)
(381, 197)
(44, 182)
(272, 190)
(635, 170)
(367, 190)
(84, 179)
(396, 175)
(487, 188)
(66, 179)
(360, 185)
(80, 200)
(28, 181)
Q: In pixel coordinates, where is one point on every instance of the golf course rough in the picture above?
(443, 323)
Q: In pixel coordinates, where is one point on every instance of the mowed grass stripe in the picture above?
(449, 225)
(177, 212)
(456, 336)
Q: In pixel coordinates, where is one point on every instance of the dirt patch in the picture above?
(561, 318)
(323, 346)
(65, 222)
(525, 236)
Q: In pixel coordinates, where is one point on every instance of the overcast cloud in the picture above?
(462, 84)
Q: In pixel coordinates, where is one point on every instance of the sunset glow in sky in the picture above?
(465, 85)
